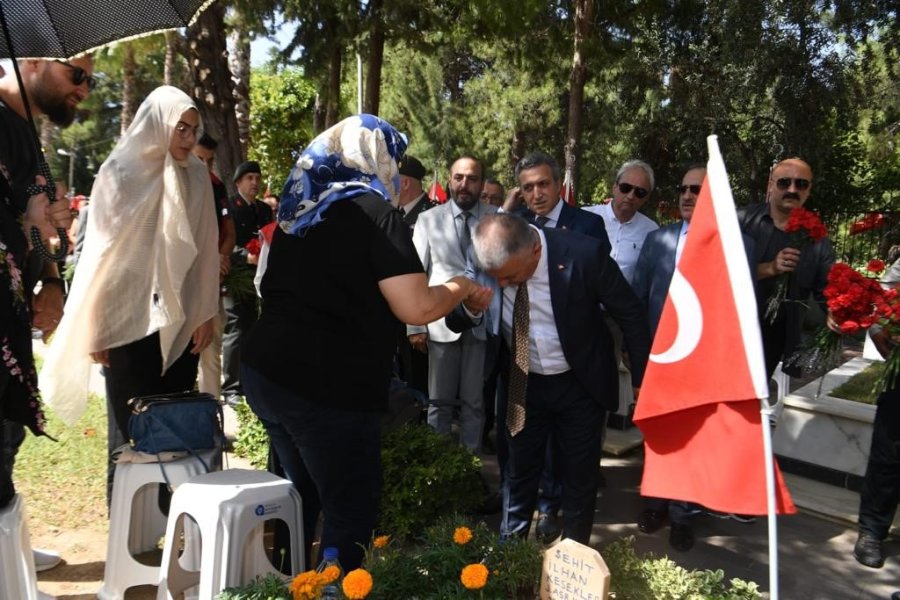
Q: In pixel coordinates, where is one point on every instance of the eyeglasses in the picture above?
(626, 188)
(783, 183)
(79, 75)
(694, 188)
(185, 131)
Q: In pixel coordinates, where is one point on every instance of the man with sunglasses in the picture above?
(790, 184)
(626, 227)
(54, 89)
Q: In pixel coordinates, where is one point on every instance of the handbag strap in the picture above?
(191, 451)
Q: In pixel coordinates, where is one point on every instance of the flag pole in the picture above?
(747, 312)
(772, 515)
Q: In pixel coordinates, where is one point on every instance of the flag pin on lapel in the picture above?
(560, 267)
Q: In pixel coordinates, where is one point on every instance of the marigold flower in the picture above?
(329, 574)
(306, 586)
(357, 584)
(462, 535)
(474, 576)
(381, 541)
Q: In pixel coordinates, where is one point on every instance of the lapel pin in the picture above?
(561, 267)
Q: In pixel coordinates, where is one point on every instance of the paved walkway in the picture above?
(815, 546)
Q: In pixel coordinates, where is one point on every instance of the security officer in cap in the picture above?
(241, 311)
(413, 200)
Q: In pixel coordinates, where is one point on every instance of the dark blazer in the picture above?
(582, 277)
(575, 219)
(249, 218)
(656, 265)
(421, 206)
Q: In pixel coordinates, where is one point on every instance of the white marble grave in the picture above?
(830, 432)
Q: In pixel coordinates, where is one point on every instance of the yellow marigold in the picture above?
(474, 576)
(381, 541)
(306, 586)
(329, 574)
(357, 584)
(462, 535)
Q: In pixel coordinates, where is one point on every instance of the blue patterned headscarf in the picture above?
(357, 156)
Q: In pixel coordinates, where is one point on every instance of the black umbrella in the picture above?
(67, 28)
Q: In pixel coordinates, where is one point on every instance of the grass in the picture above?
(860, 387)
(65, 481)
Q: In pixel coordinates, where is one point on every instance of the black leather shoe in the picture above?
(869, 550)
(650, 520)
(681, 537)
(895, 596)
(548, 528)
(233, 400)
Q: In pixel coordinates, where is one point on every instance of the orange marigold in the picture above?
(357, 584)
(329, 574)
(462, 535)
(306, 586)
(381, 541)
(474, 576)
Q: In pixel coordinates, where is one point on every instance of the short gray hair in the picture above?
(637, 164)
(499, 237)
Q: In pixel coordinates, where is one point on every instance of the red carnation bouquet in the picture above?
(856, 302)
(804, 228)
(253, 246)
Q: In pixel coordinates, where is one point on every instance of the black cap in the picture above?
(251, 166)
(411, 167)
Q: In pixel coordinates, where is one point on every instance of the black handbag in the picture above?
(181, 422)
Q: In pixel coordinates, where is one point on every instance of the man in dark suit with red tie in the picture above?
(562, 376)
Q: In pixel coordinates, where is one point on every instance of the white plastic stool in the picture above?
(17, 578)
(136, 522)
(229, 508)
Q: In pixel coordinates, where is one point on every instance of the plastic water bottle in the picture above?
(332, 590)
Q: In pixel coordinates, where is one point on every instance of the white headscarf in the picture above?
(150, 258)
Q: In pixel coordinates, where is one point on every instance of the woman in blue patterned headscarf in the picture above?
(357, 156)
(342, 277)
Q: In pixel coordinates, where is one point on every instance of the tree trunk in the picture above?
(376, 58)
(318, 115)
(213, 89)
(584, 19)
(240, 68)
(333, 96)
(129, 102)
(169, 66)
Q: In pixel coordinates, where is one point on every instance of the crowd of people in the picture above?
(510, 311)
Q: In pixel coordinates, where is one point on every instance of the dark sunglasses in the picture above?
(79, 75)
(626, 188)
(783, 183)
(695, 189)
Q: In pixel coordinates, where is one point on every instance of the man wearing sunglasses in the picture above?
(790, 184)
(625, 226)
(54, 89)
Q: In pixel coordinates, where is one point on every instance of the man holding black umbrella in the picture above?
(54, 89)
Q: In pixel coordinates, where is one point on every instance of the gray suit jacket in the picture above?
(438, 245)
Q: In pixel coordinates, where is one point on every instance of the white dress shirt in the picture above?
(682, 238)
(553, 216)
(545, 351)
(626, 239)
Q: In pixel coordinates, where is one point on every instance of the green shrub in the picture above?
(650, 578)
(426, 476)
(270, 587)
(252, 441)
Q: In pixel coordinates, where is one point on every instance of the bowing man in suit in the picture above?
(443, 236)
(538, 201)
(562, 374)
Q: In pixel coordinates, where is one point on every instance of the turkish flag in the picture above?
(699, 407)
(436, 193)
(567, 192)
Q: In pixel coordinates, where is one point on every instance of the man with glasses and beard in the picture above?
(54, 89)
(625, 226)
(443, 239)
(790, 183)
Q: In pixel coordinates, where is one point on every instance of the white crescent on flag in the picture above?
(690, 321)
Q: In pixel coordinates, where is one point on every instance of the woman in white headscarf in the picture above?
(146, 287)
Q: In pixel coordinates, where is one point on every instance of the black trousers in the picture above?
(881, 487)
(239, 318)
